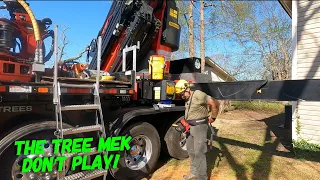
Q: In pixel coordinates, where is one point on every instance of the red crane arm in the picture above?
(153, 23)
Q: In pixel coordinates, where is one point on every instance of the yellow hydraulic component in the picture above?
(170, 89)
(156, 67)
(33, 19)
(107, 78)
(259, 91)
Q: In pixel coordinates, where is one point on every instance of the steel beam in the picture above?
(286, 90)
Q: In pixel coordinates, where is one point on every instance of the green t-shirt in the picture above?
(199, 106)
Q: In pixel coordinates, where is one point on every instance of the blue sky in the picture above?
(84, 18)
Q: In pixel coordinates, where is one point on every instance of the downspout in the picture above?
(294, 65)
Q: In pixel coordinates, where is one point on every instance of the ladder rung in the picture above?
(86, 175)
(80, 107)
(92, 152)
(77, 85)
(82, 129)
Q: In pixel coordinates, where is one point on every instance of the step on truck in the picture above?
(127, 89)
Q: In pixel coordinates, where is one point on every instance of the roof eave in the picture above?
(287, 6)
(215, 66)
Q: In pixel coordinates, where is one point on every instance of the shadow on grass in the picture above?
(238, 168)
(213, 153)
(262, 166)
(308, 155)
(274, 138)
(164, 159)
(305, 151)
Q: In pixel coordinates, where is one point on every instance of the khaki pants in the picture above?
(197, 149)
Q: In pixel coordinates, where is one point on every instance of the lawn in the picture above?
(249, 145)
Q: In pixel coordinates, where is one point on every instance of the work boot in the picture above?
(190, 177)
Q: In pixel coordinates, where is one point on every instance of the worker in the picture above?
(201, 110)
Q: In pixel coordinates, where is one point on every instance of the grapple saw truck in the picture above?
(126, 88)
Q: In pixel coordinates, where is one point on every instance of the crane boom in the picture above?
(153, 23)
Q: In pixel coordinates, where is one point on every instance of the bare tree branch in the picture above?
(64, 43)
(77, 57)
(62, 46)
(257, 28)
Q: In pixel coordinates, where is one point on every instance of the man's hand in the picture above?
(214, 106)
(211, 120)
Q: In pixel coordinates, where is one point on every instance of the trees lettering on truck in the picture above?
(126, 88)
(4, 109)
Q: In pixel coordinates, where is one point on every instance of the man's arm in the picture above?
(214, 106)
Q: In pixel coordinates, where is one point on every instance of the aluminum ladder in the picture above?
(99, 123)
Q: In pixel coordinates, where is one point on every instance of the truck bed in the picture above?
(103, 83)
(123, 86)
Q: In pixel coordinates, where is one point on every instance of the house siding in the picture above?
(308, 66)
(215, 76)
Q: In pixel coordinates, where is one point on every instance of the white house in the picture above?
(216, 72)
(305, 16)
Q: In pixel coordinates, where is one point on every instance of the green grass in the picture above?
(258, 106)
(246, 154)
(305, 150)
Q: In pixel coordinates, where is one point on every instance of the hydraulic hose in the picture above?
(33, 19)
(38, 53)
(47, 57)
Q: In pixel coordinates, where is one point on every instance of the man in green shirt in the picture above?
(197, 115)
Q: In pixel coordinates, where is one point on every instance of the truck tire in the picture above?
(38, 130)
(175, 143)
(131, 167)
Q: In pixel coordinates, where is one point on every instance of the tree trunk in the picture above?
(191, 30)
(202, 41)
(224, 106)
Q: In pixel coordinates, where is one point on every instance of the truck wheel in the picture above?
(176, 143)
(141, 159)
(11, 166)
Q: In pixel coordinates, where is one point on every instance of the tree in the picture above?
(191, 29)
(62, 45)
(262, 31)
(202, 39)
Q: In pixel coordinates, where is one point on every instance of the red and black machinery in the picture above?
(154, 24)
(22, 51)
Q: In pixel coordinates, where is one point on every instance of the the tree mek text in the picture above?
(41, 163)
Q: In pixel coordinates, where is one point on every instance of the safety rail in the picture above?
(97, 125)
